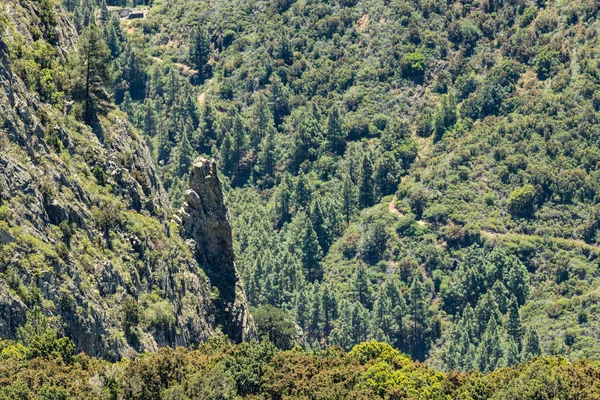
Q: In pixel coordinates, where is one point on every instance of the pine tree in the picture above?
(280, 96)
(283, 200)
(384, 318)
(425, 127)
(315, 316)
(127, 106)
(349, 198)
(208, 128)
(164, 144)
(320, 224)
(199, 49)
(92, 71)
(267, 158)
(513, 325)
(150, 120)
(240, 139)
(330, 309)
(302, 310)
(302, 192)
(512, 356)
(532, 346)
(418, 307)
(485, 310)
(361, 287)
(335, 132)
(342, 333)
(490, 351)
(366, 183)
(517, 279)
(263, 124)
(306, 137)
(184, 152)
(360, 323)
(500, 295)
(311, 252)
(227, 156)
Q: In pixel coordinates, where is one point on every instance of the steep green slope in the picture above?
(87, 247)
(419, 172)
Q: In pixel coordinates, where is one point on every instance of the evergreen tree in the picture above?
(150, 118)
(263, 124)
(315, 317)
(280, 96)
(311, 253)
(306, 137)
(418, 307)
(361, 286)
(92, 71)
(485, 310)
(342, 334)
(387, 315)
(349, 198)
(127, 106)
(532, 346)
(240, 139)
(267, 158)
(360, 323)
(387, 174)
(208, 129)
(283, 200)
(366, 183)
(302, 310)
(512, 356)
(500, 295)
(227, 156)
(164, 144)
(513, 325)
(330, 309)
(199, 49)
(184, 152)
(490, 351)
(425, 126)
(302, 192)
(335, 132)
(517, 279)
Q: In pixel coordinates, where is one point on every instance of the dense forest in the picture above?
(218, 370)
(404, 177)
(419, 173)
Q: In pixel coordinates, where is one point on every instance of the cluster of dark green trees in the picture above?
(480, 119)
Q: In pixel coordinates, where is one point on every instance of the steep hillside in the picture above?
(419, 172)
(87, 247)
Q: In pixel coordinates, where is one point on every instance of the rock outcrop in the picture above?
(206, 227)
(85, 233)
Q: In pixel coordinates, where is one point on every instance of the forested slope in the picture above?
(422, 173)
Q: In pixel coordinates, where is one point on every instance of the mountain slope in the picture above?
(86, 244)
(477, 120)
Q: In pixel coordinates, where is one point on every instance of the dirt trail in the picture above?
(568, 241)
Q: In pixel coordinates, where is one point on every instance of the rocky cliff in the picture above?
(85, 233)
(206, 226)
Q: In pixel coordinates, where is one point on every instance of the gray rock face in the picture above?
(206, 226)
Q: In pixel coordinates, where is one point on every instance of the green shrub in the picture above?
(521, 201)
